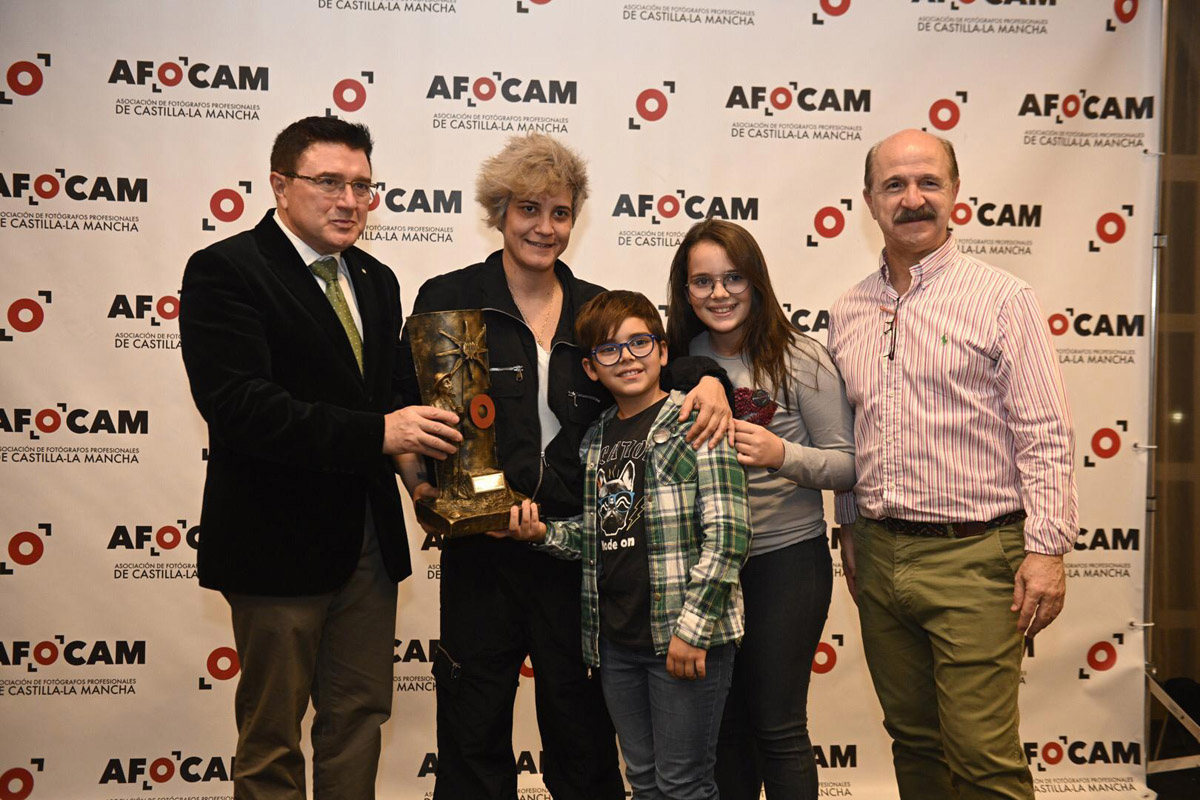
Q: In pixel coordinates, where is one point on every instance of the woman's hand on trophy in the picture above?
(424, 430)
(523, 524)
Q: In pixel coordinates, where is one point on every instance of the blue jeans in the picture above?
(666, 727)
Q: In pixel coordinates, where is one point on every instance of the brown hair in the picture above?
(530, 166)
(293, 140)
(600, 317)
(766, 335)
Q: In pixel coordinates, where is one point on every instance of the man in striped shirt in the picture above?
(965, 500)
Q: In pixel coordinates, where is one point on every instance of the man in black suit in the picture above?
(288, 336)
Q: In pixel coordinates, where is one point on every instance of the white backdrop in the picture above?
(137, 132)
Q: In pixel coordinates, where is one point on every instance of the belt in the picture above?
(949, 530)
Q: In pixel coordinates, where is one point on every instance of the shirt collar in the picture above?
(307, 254)
(929, 266)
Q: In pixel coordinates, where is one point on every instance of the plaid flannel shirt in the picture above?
(697, 523)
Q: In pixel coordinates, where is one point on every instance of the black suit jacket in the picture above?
(295, 430)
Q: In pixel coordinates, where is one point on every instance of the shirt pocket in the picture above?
(959, 369)
(673, 461)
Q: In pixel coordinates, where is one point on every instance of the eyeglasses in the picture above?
(703, 286)
(609, 353)
(332, 186)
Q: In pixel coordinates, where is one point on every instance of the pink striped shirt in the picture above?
(960, 411)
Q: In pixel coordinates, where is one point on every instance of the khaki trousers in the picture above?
(335, 648)
(945, 657)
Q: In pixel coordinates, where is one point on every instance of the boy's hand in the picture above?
(757, 446)
(684, 661)
(523, 524)
(714, 417)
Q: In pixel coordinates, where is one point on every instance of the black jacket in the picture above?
(553, 479)
(295, 431)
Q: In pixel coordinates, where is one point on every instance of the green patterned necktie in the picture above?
(326, 269)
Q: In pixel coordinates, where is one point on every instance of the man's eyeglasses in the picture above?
(609, 353)
(702, 286)
(327, 184)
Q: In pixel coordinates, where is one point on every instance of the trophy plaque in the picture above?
(451, 356)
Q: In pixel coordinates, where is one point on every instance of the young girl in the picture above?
(794, 436)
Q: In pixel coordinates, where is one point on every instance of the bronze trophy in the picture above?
(451, 356)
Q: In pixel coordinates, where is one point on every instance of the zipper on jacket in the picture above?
(576, 395)
(541, 470)
(455, 667)
(518, 371)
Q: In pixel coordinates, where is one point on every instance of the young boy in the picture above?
(663, 535)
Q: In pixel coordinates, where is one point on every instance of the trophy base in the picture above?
(450, 520)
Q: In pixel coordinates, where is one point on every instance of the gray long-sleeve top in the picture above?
(817, 430)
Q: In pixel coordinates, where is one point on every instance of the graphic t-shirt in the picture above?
(624, 575)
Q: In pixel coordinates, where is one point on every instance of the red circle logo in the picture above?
(170, 74)
(484, 88)
(45, 653)
(26, 539)
(47, 420)
(1071, 105)
(483, 411)
(526, 668)
(781, 98)
(829, 222)
(944, 114)
(226, 205)
(168, 537)
(161, 770)
(167, 307)
(24, 78)
(1052, 752)
(651, 97)
(46, 186)
(1110, 227)
(961, 214)
(1102, 656)
(835, 9)
(25, 315)
(1125, 10)
(349, 95)
(16, 784)
(1106, 442)
(825, 658)
(1059, 324)
(223, 663)
(668, 205)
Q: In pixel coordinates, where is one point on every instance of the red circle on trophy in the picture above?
(483, 411)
